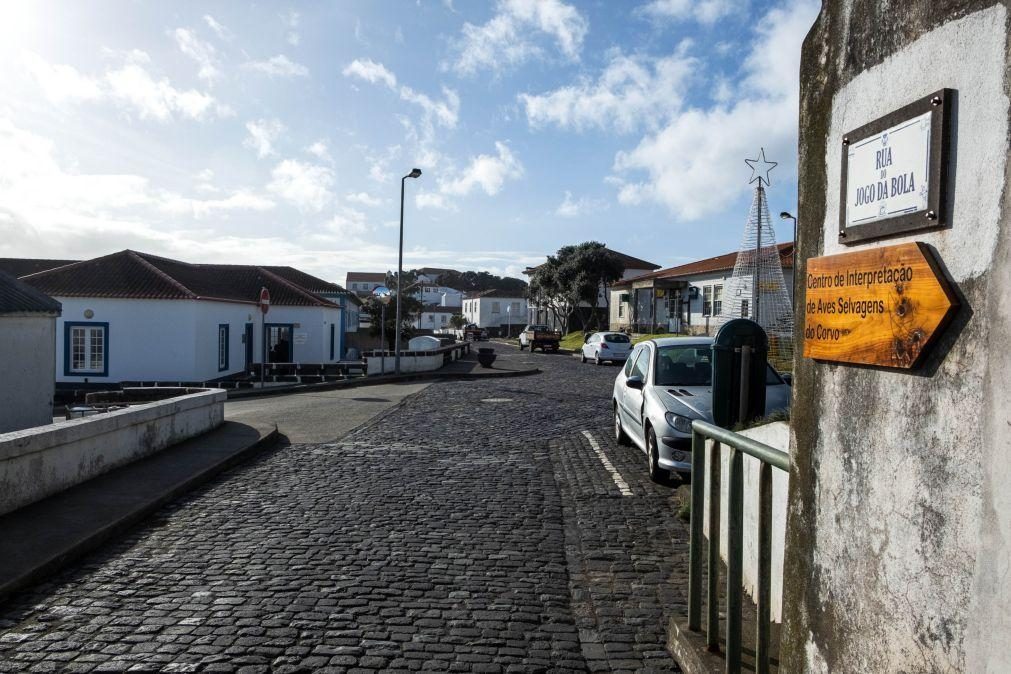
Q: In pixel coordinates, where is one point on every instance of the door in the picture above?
(634, 397)
(247, 339)
(279, 342)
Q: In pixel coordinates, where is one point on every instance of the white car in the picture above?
(606, 346)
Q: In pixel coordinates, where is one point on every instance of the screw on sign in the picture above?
(264, 300)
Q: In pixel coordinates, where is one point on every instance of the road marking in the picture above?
(608, 466)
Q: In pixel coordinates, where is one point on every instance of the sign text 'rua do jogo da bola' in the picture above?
(885, 305)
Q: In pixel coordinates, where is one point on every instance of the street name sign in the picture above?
(881, 306)
(894, 171)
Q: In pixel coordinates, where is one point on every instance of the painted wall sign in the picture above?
(894, 171)
(881, 306)
(300, 338)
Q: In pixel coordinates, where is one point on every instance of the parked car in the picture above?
(606, 346)
(665, 385)
(540, 337)
(473, 333)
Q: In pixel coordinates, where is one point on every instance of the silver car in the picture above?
(665, 385)
(606, 346)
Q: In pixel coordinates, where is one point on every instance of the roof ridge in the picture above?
(161, 274)
(297, 288)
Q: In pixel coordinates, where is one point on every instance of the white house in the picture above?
(435, 317)
(686, 299)
(28, 339)
(495, 310)
(131, 316)
(634, 267)
(362, 283)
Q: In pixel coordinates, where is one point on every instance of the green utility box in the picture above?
(729, 355)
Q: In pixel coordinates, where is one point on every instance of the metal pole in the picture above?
(400, 274)
(764, 567)
(263, 346)
(735, 554)
(758, 255)
(695, 535)
(382, 337)
(713, 556)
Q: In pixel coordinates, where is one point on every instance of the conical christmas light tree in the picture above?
(757, 289)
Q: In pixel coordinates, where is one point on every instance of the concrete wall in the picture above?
(899, 535)
(26, 361)
(776, 435)
(375, 364)
(42, 461)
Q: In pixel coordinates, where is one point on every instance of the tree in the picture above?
(476, 281)
(571, 281)
(458, 321)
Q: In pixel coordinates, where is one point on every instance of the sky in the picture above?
(273, 133)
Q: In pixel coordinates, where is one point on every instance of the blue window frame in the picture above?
(222, 347)
(333, 337)
(85, 349)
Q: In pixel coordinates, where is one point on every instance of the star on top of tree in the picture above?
(759, 166)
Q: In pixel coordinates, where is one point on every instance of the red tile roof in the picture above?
(723, 262)
(366, 276)
(19, 266)
(630, 263)
(129, 274)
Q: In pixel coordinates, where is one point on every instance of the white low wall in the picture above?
(374, 364)
(39, 462)
(777, 436)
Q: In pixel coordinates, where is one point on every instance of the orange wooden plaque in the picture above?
(881, 306)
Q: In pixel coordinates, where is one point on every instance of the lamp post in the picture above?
(786, 216)
(415, 173)
(509, 321)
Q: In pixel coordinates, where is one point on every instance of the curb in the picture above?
(238, 394)
(95, 539)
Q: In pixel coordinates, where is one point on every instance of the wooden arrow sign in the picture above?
(881, 306)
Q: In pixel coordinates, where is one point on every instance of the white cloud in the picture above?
(262, 134)
(347, 223)
(203, 53)
(703, 11)
(370, 71)
(61, 83)
(134, 87)
(488, 172)
(691, 163)
(570, 208)
(433, 200)
(278, 66)
(320, 150)
(290, 20)
(364, 198)
(632, 91)
(221, 31)
(507, 38)
(446, 112)
(307, 186)
(241, 200)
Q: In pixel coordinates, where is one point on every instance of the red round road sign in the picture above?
(264, 300)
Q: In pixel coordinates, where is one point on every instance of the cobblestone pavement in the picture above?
(472, 528)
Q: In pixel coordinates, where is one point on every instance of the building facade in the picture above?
(28, 338)
(498, 311)
(687, 299)
(134, 317)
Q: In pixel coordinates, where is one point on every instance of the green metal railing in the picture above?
(769, 458)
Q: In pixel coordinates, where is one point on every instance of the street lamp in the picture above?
(786, 216)
(509, 321)
(415, 173)
(382, 293)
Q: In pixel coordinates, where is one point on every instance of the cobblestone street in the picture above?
(473, 527)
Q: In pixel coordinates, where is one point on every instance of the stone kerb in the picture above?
(39, 462)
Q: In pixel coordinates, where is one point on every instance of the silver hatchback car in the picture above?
(665, 385)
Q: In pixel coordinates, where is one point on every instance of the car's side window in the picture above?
(630, 363)
(641, 366)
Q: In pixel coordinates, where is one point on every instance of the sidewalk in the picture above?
(46, 535)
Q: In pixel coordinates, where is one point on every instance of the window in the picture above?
(354, 286)
(630, 363)
(515, 308)
(444, 318)
(621, 309)
(717, 300)
(86, 349)
(744, 308)
(496, 307)
(431, 318)
(616, 338)
(222, 347)
(707, 301)
(641, 366)
(684, 366)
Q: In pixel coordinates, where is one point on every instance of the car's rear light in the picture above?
(603, 346)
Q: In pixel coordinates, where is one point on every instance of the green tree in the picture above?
(571, 282)
(458, 321)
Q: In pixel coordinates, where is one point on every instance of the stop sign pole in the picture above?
(264, 308)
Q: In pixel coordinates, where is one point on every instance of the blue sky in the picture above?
(277, 133)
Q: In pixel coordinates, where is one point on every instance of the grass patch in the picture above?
(657, 335)
(573, 340)
(778, 415)
(685, 511)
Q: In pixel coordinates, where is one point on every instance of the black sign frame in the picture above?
(935, 217)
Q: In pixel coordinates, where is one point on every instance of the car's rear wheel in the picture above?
(619, 433)
(656, 473)
(597, 360)
(582, 357)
